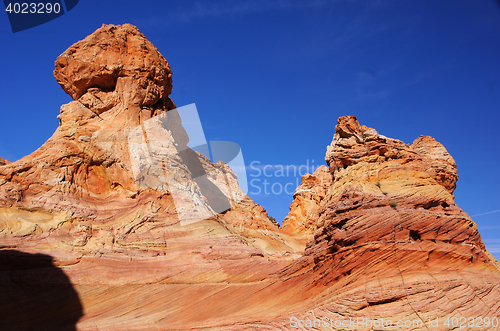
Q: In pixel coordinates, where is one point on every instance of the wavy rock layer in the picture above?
(389, 241)
(375, 235)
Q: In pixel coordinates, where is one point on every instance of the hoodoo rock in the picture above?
(114, 59)
(151, 235)
(389, 241)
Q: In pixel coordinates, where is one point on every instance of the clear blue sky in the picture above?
(274, 76)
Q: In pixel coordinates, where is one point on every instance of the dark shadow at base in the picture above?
(35, 294)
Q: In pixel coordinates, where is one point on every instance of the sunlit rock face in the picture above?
(389, 240)
(374, 234)
(304, 210)
(3, 161)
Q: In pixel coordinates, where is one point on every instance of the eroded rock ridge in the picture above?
(373, 234)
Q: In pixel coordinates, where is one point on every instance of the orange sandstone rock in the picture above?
(375, 235)
(304, 210)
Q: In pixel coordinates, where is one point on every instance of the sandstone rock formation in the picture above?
(389, 240)
(304, 210)
(376, 234)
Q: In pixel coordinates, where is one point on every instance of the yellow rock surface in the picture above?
(374, 235)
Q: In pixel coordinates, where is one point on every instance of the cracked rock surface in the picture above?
(374, 234)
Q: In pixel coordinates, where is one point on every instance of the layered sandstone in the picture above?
(154, 236)
(84, 199)
(307, 198)
(389, 240)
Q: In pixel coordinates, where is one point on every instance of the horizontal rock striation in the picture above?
(151, 235)
(389, 240)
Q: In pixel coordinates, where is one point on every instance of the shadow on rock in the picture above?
(35, 294)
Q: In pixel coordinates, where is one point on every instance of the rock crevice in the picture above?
(133, 216)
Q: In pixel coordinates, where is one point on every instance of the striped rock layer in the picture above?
(89, 242)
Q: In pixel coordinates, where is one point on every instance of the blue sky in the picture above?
(274, 76)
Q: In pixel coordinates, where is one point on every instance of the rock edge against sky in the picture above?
(374, 234)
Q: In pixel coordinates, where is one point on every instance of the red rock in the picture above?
(389, 234)
(3, 161)
(304, 210)
(115, 58)
(439, 159)
(375, 235)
